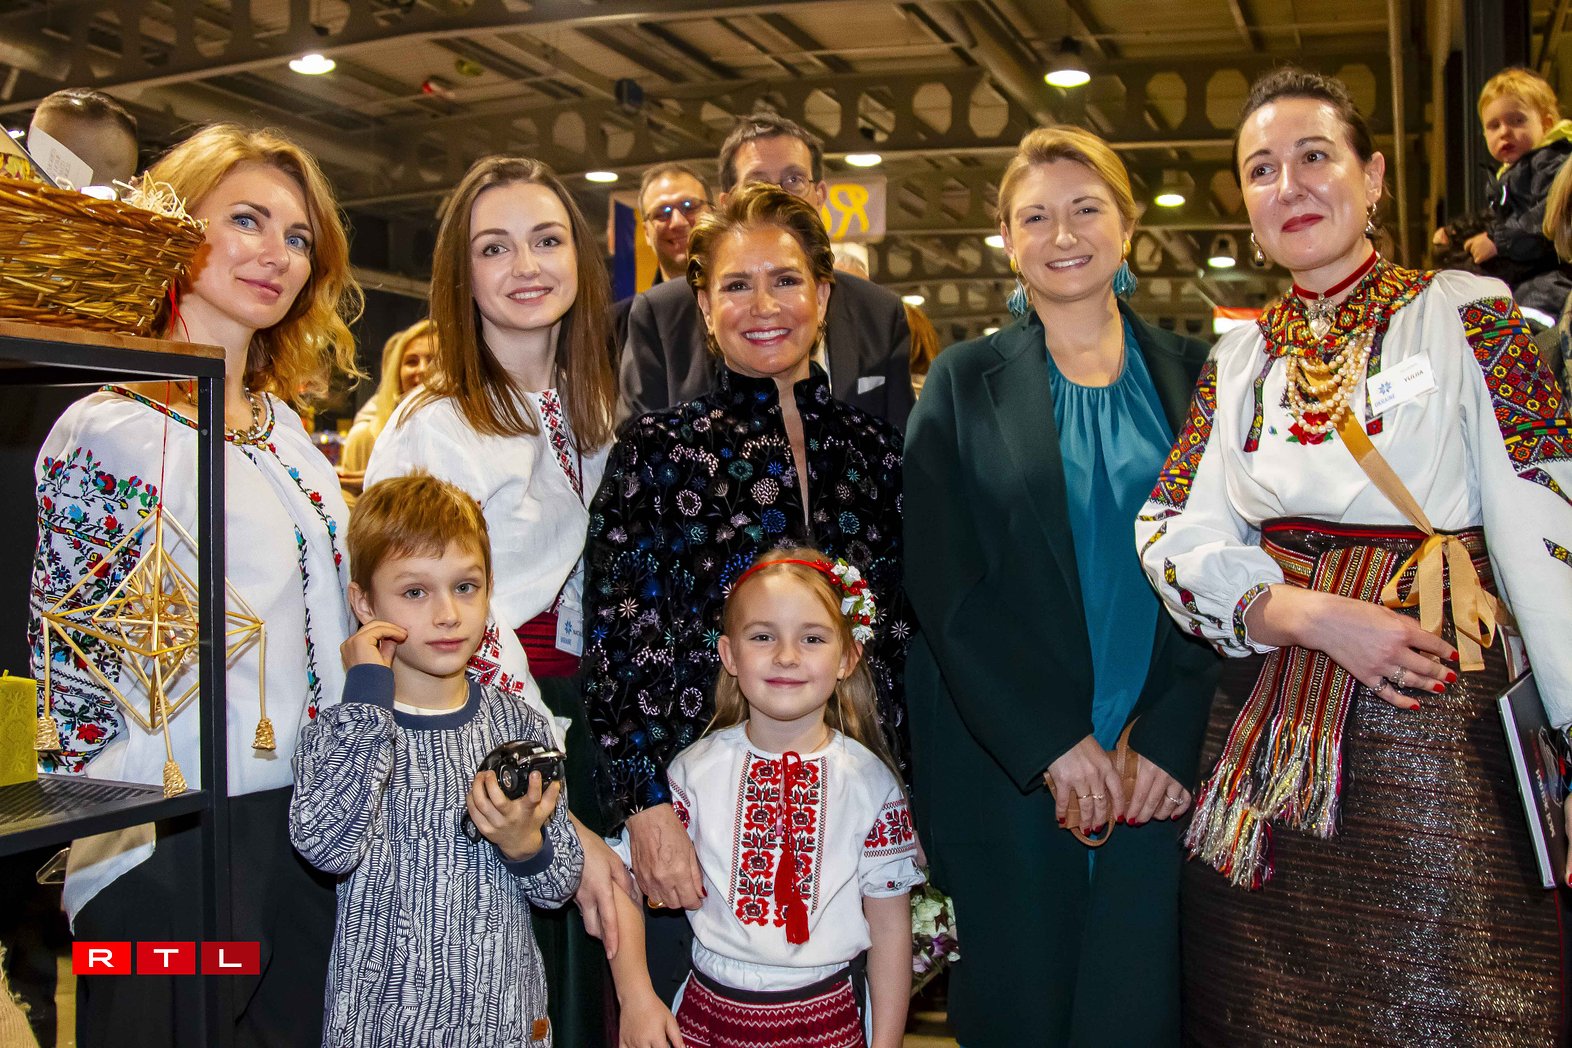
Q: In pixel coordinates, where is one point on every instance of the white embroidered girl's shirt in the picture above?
(852, 837)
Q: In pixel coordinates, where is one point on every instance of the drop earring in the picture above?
(1370, 226)
(1124, 282)
(1259, 256)
(1020, 301)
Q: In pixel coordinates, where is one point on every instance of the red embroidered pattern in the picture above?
(557, 433)
(1528, 405)
(1375, 300)
(1184, 458)
(892, 832)
(680, 804)
(759, 836)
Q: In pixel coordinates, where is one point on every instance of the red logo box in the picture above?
(231, 958)
(101, 958)
(166, 958)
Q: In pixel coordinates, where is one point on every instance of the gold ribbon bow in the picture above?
(1475, 612)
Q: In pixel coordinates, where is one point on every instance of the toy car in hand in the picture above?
(513, 762)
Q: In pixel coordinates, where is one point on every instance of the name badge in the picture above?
(1399, 384)
(570, 627)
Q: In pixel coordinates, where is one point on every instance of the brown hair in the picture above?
(855, 711)
(754, 206)
(415, 515)
(1293, 82)
(466, 369)
(767, 125)
(294, 358)
(1044, 145)
(671, 167)
(925, 340)
(1526, 86)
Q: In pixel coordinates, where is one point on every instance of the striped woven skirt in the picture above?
(1420, 920)
(822, 1015)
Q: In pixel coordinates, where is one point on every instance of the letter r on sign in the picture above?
(100, 958)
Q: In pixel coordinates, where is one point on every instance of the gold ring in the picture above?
(655, 905)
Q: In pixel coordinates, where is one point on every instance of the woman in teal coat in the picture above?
(1027, 460)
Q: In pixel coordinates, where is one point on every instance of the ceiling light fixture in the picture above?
(1169, 198)
(1224, 253)
(990, 331)
(1066, 70)
(312, 65)
(600, 176)
(913, 300)
(994, 240)
(864, 159)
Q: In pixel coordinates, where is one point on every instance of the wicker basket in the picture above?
(70, 259)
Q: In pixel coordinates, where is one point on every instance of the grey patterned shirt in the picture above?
(433, 945)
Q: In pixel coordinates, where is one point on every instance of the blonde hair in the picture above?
(389, 391)
(855, 711)
(294, 358)
(466, 369)
(1063, 142)
(1558, 212)
(415, 515)
(1524, 85)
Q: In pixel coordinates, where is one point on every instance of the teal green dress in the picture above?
(1113, 440)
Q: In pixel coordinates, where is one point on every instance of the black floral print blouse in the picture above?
(691, 496)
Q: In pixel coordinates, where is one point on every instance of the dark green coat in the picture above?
(999, 685)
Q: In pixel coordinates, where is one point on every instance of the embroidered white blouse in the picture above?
(534, 492)
(99, 474)
(1489, 445)
(854, 839)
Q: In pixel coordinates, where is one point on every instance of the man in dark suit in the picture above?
(672, 196)
(866, 346)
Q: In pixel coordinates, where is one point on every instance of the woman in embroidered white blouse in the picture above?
(272, 287)
(1398, 906)
(517, 410)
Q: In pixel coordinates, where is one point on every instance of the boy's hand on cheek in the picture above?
(373, 643)
(514, 825)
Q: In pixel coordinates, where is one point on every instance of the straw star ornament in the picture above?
(149, 620)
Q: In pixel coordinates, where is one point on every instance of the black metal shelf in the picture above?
(60, 808)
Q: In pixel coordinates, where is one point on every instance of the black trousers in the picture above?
(278, 900)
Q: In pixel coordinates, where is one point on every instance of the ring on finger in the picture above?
(1399, 677)
(1095, 796)
(1175, 800)
(1380, 683)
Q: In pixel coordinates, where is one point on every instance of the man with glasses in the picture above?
(672, 196)
(866, 345)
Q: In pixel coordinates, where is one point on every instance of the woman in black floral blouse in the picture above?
(693, 494)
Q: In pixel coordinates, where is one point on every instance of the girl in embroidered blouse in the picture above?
(272, 287)
(517, 410)
(1365, 781)
(804, 838)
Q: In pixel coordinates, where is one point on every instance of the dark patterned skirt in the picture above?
(822, 1015)
(1421, 920)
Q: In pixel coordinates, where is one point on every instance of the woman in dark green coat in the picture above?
(1027, 460)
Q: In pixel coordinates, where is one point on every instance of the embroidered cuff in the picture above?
(540, 862)
(1243, 606)
(369, 683)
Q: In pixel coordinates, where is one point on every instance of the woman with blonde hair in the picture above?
(517, 411)
(272, 287)
(1040, 645)
(405, 357)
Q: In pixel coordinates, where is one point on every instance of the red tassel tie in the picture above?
(788, 897)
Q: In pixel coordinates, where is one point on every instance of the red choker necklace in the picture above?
(1319, 310)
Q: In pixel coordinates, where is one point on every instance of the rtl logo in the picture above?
(166, 958)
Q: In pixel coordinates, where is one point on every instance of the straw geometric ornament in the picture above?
(149, 621)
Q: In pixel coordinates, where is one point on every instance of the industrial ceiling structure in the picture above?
(941, 89)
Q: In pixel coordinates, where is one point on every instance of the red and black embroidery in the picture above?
(1184, 458)
(760, 840)
(1527, 402)
(892, 832)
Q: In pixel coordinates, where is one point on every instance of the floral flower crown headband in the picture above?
(856, 599)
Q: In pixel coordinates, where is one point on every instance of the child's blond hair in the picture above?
(855, 711)
(1526, 86)
(413, 516)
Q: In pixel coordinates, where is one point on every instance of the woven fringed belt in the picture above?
(1282, 765)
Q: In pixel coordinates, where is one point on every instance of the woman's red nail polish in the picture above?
(1453, 656)
(1061, 821)
(1438, 688)
(1451, 678)
(1414, 708)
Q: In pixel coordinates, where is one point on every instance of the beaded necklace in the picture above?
(1320, 392)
